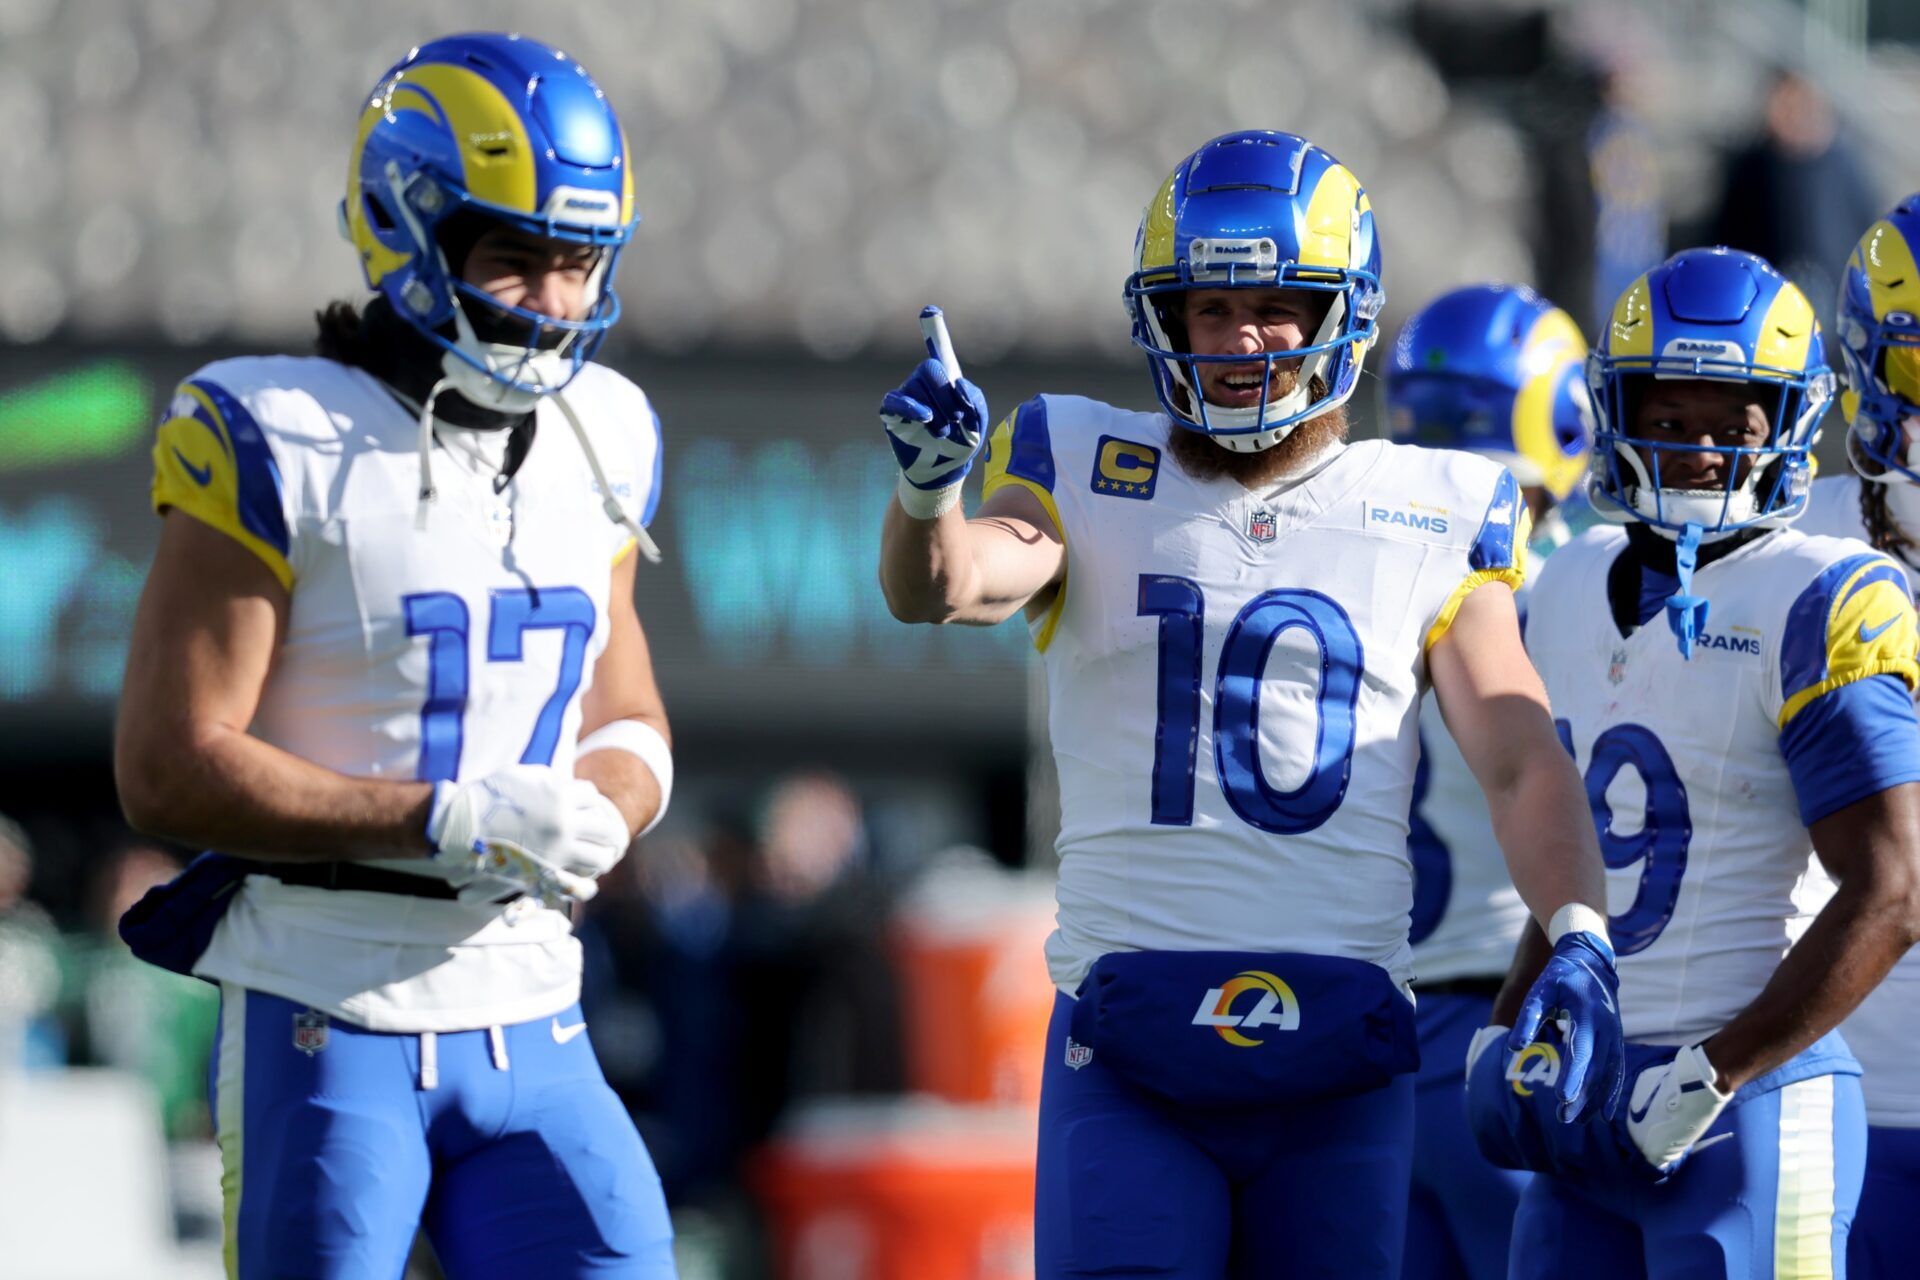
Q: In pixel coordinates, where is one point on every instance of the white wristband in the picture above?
(641, 740)
(927, 504)
(1577, 917)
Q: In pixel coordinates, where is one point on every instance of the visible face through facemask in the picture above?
(1250, 322)
(552, 278)
(1695, 427)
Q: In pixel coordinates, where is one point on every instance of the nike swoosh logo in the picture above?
(563, 1034)
(1641, 1114)
(201, 475)
(1867, 637)
(1704, 1143)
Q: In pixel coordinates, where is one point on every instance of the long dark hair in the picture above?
(1882, 531)
(342, 335)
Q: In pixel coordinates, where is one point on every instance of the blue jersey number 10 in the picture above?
(442, 616)
(1181, 608)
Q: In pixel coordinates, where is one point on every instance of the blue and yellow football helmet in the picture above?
(1878, 319)
(511, 130)
(1723, 316)
(1257, 210)
(1499, 370)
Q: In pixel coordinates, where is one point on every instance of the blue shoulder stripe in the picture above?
(1031, 454)
(1493, 545)
(259, 475)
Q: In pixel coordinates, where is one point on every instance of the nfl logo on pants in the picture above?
(310, 1032)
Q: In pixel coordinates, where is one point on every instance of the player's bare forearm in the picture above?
(926, 566)
(981, 571)
(1873, 847)
(1543, 823)
(1529, 958)
(204, 638)
(1496, 709)
(223, 789)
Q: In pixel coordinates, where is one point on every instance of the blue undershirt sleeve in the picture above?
(1850, 743)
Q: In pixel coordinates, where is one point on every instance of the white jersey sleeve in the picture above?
(436, 653)
(626, 434)
(1234, 680)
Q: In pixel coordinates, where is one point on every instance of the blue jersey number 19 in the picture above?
(1665, 828)
(1181, 607)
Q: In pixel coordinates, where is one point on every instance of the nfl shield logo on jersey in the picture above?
(1262, 525)
(1617, 668)
(310, 1032)
(1078, 1055)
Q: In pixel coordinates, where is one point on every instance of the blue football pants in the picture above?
(1885, 1241)
(1130, 1184)
(1461, 1214)
(336, 1143)
(1773, 1198)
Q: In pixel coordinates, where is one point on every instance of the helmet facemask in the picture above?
(497, 355)
(1306, 371)
(1765, 484)
(1882, 373)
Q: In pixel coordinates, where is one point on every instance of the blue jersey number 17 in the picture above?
(442, 616)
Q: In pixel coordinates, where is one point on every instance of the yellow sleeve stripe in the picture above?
(999, 450)
(626, 549)
(1513, 576)
(194, 471)
(1869, 630)
(1902, 667)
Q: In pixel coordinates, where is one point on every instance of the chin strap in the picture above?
(427, 491)
(1686, 612)
(608, 503)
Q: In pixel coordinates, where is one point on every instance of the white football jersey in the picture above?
(1884, 1031)
(443, 652)
(1235, 678)
(1711, 875)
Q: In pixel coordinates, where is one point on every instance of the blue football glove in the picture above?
(1579, 991)
(936, 427)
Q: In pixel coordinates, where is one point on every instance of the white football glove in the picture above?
(526, 828)
(1672, 1104)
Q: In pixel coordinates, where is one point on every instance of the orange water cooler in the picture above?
(902, 1189)
(937, 1185)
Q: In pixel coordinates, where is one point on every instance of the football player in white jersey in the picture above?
(388, 664)
(1239, 613)
(1878, 323)
(1501, 371)
(1738, 696)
